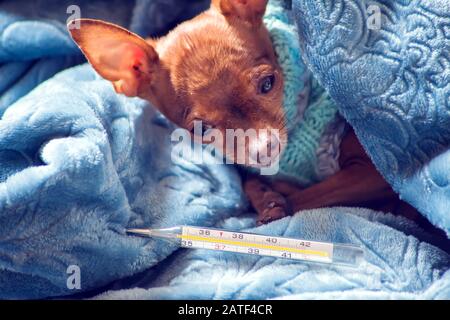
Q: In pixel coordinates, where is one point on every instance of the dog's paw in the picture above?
(269, 204)
(273, 206)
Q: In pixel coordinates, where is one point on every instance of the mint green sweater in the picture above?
(314, 126)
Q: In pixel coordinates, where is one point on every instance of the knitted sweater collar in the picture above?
(287, 47)
(308, 108)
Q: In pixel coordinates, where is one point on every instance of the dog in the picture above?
(220, 68)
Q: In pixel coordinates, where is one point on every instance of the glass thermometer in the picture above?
(255, 244)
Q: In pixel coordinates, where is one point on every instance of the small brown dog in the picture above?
(221, 68)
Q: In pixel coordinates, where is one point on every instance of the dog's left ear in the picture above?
(249, 11)
(118, 55)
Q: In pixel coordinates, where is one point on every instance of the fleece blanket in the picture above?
(387, 65)
(34, 44)
(79, 164)
(397, 265)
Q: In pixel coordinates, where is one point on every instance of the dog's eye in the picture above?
(201, 128)
(206, 128)
(266, 84)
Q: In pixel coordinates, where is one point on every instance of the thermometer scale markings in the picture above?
(257, 244)
(199, 237)
(254, 245)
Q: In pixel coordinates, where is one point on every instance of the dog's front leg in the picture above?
(269, 204)
(358, 183)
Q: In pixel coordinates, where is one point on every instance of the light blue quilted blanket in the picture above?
(79, 164)
(390, 74)
(397, 265)
(78, 167)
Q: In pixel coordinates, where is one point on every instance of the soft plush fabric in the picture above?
(397, 265)
(393, 86)
(309, 110)
(79, 165)
(34, 44)
(74, 171)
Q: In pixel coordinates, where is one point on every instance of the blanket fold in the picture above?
(78, 167)
(387, 65)
(397, 265)
(34, 43)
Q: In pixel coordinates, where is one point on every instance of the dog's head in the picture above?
(219, 68)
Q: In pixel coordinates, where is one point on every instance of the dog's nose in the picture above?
(272, 146)
(265, 149)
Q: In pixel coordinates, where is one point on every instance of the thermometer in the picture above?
(255, 244)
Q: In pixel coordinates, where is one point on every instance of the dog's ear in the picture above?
(250, 11)
(118, 55)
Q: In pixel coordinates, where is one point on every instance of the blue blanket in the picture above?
(34, 44)
(79, 164)
(397, 265)
(387, 65)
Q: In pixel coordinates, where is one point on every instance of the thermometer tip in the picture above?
(141, 232)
